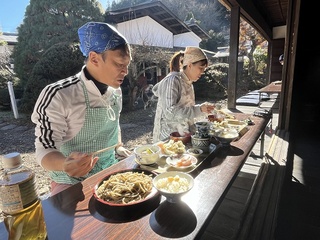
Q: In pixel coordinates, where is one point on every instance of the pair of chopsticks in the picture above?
(95, 153)
(105, 149)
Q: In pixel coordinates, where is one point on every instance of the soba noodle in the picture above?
(125, 187)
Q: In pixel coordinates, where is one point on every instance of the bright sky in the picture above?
(12, 13)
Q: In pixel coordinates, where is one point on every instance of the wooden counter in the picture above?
(274, 87)
(74, 214)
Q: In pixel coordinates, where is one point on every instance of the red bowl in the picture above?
(175, 136)
(120, 213)
(152, 194)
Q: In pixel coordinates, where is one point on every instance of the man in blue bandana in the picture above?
(79, 115)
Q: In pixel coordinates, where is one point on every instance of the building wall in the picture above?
(11, 40)
(146, 31)
(186, 39)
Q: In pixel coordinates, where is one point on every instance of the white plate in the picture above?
(162, 154)
(172, 161)
(175, 154)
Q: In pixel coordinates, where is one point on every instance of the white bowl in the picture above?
(225, 137)
(147, 154)
(173, 185)
(195, 151)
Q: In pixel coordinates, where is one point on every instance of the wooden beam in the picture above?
(233, 57)
(289, 64)
(251, 14)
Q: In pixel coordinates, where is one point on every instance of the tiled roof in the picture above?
(10, 38)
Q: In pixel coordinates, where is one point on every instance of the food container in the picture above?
(175, 136)
(182, 162)
(147, 154)
(226, 136)
(173, 185)
(202, 129)
(122, 212)
(195, 151)
(201, 143)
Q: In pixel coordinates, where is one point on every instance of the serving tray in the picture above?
(240, 126)
(162, 166)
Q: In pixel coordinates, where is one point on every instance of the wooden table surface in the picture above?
(273, 87)
(74, 214)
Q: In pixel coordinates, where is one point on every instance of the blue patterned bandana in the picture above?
(99, 37)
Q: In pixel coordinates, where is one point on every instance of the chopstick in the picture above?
(97, 152)
(105, 149)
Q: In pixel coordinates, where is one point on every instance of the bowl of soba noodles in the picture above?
(125, 188)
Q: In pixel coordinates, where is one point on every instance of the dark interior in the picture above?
(299, 215)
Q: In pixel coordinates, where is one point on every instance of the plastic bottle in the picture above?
(19, 201)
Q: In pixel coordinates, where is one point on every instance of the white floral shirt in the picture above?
(176, 108)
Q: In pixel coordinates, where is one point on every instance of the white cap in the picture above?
(192, 55)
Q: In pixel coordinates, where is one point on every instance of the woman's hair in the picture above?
(176, 61)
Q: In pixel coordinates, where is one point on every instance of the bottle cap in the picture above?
(12, 160)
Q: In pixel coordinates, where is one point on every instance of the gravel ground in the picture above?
(17, 135)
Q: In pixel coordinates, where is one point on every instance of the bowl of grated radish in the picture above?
(173, 185)
(147, 154)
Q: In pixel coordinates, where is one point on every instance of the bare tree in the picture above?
(250, 39)
(145, 58)
(6, 73)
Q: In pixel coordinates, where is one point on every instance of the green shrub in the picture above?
(213, 83)
(58, 62)
(4, 98)
(5, 101)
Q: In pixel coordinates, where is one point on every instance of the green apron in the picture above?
(100, 130)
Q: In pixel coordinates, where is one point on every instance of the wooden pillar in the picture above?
(233, 56)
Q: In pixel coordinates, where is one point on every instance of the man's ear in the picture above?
(93, 58)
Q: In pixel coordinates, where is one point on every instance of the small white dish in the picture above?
(195, 151)
(182, 162)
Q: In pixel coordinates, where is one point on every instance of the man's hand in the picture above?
(79, 164)
(207, 107)
(123, 152)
